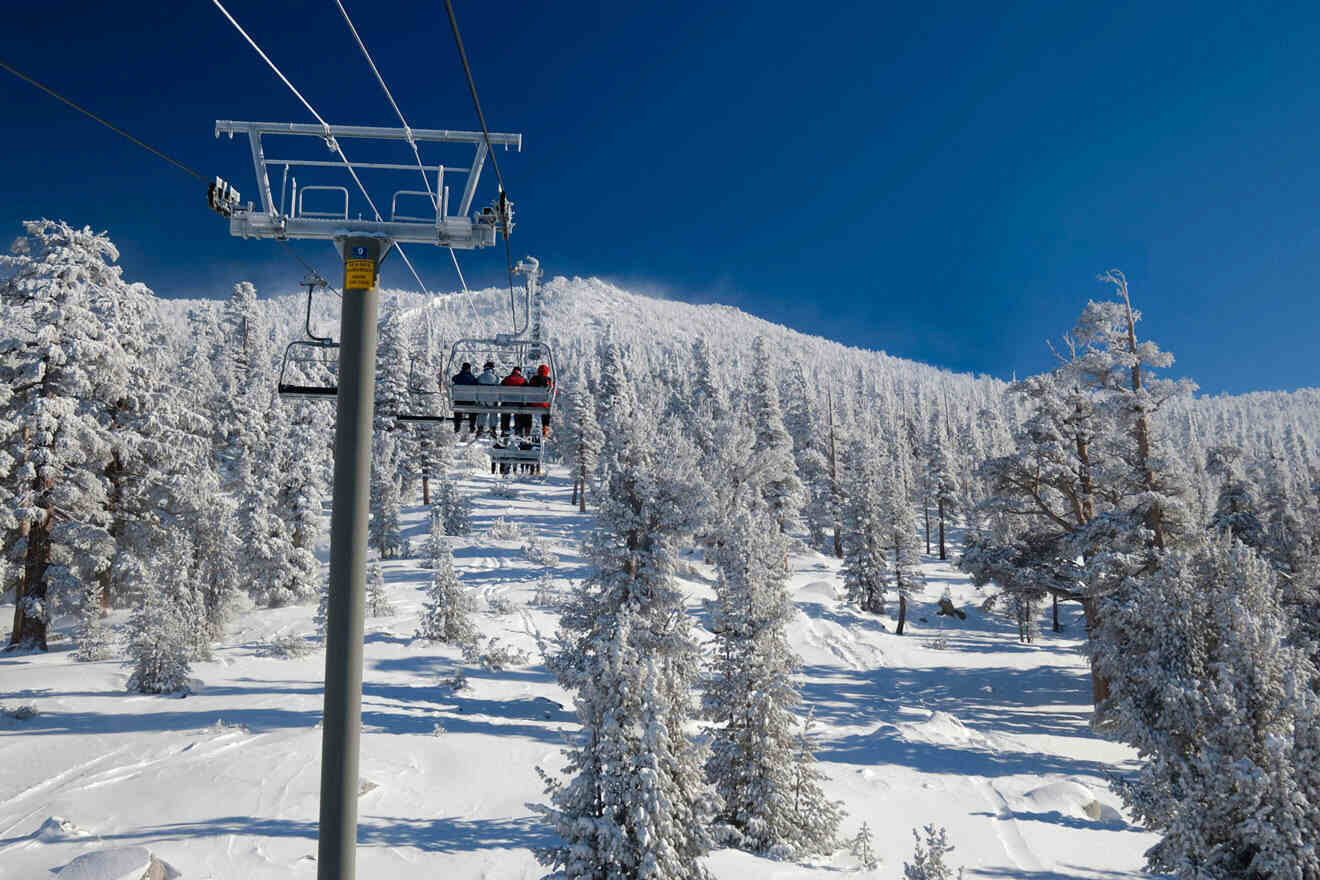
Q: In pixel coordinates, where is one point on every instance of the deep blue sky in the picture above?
(941, 181)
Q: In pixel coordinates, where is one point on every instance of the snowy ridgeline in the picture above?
(165, 478)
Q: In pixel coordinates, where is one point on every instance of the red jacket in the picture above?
(514, 379)
(541, 380)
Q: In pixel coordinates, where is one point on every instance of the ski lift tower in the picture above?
(362, 245)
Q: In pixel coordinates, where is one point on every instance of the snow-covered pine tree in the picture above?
(250, 421)
(585, 439)
(810, 445)
(758, 764)
(393, 362)
(635, 803)
(1144, 485)
(433, 445)
(780, 484)
(1207, 689)
(385, 533)
(900, 520)
(446, 613)
(454, 508)
(92, 634)
(942, 477)
(1237, 506)
(162, 634)
(378, 601)
(63, 369)
(866, 536)
(436, 543)
(928, 860)
(304, 478)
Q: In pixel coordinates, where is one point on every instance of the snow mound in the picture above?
(128, 863)
(1071, 799)
(817, 591)
(941, 728)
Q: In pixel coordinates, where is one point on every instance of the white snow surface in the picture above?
(983, 735)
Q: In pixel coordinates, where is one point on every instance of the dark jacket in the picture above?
(465, 377)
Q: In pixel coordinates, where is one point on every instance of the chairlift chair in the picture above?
(419, 388)
(506, 352)
(310, 369)
(511, 451)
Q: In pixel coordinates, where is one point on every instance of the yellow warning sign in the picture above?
(359, 274)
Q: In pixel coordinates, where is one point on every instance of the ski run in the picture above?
(954, 723)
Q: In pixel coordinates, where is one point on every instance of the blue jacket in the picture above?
(465, 378)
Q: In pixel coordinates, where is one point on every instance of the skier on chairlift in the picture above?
(464, 377)
(514, 378)
(542, 380)
(488, 377)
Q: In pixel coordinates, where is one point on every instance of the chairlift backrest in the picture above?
(310, 370)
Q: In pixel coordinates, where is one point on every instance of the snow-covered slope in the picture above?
(954, 723)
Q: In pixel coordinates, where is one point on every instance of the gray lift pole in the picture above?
(341, 726)
(362, 244)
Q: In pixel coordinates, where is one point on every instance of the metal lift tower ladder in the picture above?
(362, 244)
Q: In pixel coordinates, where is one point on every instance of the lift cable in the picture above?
(116, 129)
(330, 140)
(175, 162)
(311, 269)
(407, 132)
(490, 150)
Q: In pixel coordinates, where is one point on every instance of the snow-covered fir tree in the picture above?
(780, 484)
(64, 369)
(92, 634)
(900, 518)
(250, 421)
(393, 365)
(454, 508)
(378, 601)
(1237, 506)
(1206, 687)
(768, 782)
(635, 802)
(928, 856)
(866, 536)
(447, 611)
(942, 479)
(585, 439)
(436, 543)
(162, 632)
(384, 530)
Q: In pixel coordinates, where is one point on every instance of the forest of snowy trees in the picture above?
(147, 464)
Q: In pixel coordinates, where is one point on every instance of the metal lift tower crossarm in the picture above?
(458, 230)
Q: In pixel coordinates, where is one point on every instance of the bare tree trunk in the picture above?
(32, 630)
(1099, 684)
(944, 554)
(902, 613)
(1154, 519)
(925, 510)
(19, 593)
(1057, 628)
(834, 485)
